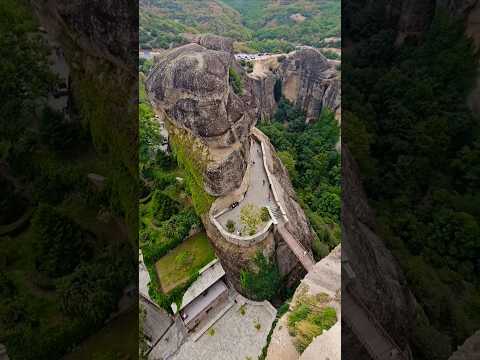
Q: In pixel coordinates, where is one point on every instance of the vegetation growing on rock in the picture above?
(251, 218)
(309, 318)
(236, 81)
(262, 282)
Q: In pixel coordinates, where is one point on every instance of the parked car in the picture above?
(234, 205)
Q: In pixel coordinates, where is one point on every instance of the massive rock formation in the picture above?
(189, 88)
(306, 78)
(379, 281)
(310, 82)
(190, 84)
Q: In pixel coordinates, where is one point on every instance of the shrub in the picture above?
(89, 293)
(264, 282)
(163, 207)
(236, 81)
(264, 214)
(250, 217)
(57, 133)
(320, 249)
(242, 309)
(309, 318)
(60, 243)
(230, 226)
(7, 287)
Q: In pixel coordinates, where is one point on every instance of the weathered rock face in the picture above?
(310, 82)
(190, 84)
(306, 78)
(95, 25)
(323, 278)
(261, 92)
(379, 282)
(469, 350)
(214, 42)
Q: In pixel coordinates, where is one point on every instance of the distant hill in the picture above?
(261, 25)
(162, 21)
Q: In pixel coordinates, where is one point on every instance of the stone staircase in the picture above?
(277, 213)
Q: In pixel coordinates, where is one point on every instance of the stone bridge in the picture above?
(305, 257)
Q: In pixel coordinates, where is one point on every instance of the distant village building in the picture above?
(206, 293)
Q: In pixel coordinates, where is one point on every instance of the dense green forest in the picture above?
(256, 25)
(61, 274)
(407, 124)
(313, 163)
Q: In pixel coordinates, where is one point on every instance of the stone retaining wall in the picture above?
(242, 240)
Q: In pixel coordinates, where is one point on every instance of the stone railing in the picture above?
(241, 240)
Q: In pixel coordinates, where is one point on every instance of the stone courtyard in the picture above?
(244, 331)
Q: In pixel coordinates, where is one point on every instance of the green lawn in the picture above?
(180, 264)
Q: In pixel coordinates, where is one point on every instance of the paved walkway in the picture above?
(300, 252)
(234, 336)
(371, 334)
(258, 193)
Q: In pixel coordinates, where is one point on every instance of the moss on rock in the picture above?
(192, 156)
